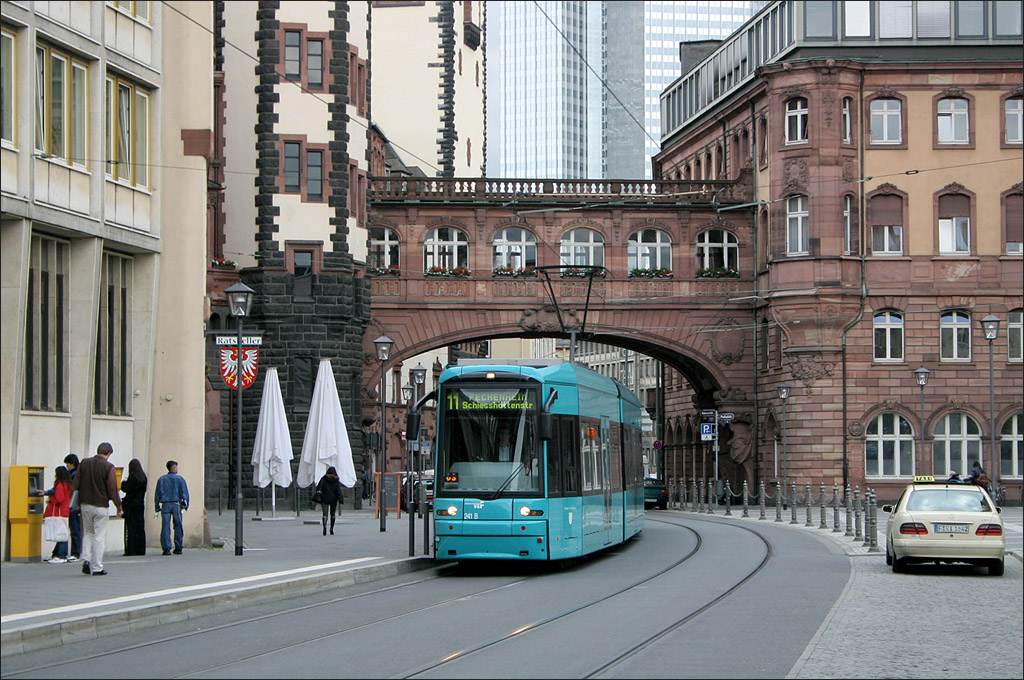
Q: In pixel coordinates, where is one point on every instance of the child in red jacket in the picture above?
(58, 504)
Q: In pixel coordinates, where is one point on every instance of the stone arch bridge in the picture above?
(701, 327)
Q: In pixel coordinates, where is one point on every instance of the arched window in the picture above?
(952, 121)
(956, 444)
(383, 248)
(581, 246)
(649, 249)
(1013, 120)
(445, 248)
(889, 447)
(1011, 441)
(886, 224)
(717, 249)
(954, 224)
(849, 225)
(847, 120)
(797, 240)
(888, 329)
(796, 121)
(955, 336)
(886, 121)
(515, 248)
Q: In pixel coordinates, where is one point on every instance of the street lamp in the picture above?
(990, 324)
(921, 376)
(784, 396)
(419, 378)
(383, 345)
(240, 300)
(407, 394)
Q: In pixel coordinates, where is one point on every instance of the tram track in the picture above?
(337, 636)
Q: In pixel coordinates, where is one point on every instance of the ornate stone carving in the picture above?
(886, 188)
(953, 188)
(855, 428)
(953, 92)
(729, 395)
(958, 404)
(886, 92)
(796, 176)
(891, 404)
(809, 367)
(545, 319)
(726, 344)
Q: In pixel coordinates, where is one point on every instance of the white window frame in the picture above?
(137, 9)
(847, 120)
(1015, 336)
(1013, 109)
(952, 121)
(848, 235)
(954, 236)
(446, 247)
(721, 242)
(1011, 447)
(581, 247)
(954, 336)
(887, 240)
(515, 250)
(883, 111)
(888, 337)
(385, 247)
(956, 444)
(797, 239)
(649, 249)
(892, 438)
(796, 120)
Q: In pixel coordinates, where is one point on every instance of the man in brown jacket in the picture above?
(96, 483)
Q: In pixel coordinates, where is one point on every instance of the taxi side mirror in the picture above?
(888, 508)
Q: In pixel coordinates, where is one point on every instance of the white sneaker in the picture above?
(56, 560)
(72, 558)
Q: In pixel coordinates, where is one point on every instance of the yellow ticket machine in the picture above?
(25, 512)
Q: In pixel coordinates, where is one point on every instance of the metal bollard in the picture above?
(728, 499)
(711, 498)
(809, 502)
(693, 496)
(760, 498)
(835, 508)
(873, 547)
(848, 502)
(778, 495)
(868, 529)
(792, 506)
(821, 506)
(746, 501)
(857, 534)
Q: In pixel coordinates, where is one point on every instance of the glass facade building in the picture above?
(573, 88)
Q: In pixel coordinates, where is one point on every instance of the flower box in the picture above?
(221, 263)
(447, 272)
(717, 273)
(657, 273)
(579, 272)
(515, 271)
(385, 271)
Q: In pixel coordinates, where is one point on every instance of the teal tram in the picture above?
(534, 460)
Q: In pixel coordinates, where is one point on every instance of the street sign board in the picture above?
(707, 432)
(657, 443)
(708, 413)
(726, 417)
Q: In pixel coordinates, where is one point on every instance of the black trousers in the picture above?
(134, 531)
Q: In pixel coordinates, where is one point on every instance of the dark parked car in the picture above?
(655, 493)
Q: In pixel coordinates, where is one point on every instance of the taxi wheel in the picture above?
(899, 565)
(996, 567)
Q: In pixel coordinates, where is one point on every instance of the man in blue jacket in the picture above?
(171, 498)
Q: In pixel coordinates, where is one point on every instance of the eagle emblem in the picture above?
(229, 365)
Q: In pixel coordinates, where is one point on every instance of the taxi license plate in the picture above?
(951, 528)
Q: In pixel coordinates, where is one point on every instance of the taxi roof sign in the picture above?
(923, 479)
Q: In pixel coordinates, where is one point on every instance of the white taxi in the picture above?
(940, 521)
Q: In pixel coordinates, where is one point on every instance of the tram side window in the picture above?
(616, 457)
(555, 463)
(569, 453)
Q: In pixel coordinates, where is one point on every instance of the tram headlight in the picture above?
(525, 511)
(450, 511)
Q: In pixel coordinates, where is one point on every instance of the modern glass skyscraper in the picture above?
(573, 87)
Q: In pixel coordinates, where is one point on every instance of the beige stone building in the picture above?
(107, 112)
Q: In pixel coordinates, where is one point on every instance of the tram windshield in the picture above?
(487, 442)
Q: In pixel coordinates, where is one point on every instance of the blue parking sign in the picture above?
(707, 432)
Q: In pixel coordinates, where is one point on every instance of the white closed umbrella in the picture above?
(272, 451)
(326, 440)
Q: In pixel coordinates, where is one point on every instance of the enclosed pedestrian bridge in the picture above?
(460, 260)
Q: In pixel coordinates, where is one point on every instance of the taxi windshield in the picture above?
(948, 500)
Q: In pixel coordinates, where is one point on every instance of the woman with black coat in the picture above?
(330, 489)
(134, 505)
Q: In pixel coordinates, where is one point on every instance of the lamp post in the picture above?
(784, 396)
(990, 324)
(921, 376)
(240, 300)
(419, 378)
(383, 345)
(407, 394)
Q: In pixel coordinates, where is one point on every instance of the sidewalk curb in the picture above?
(77, 628)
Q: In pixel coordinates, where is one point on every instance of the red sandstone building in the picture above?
(883, 145)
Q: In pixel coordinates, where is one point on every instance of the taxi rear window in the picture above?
(948, 500)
